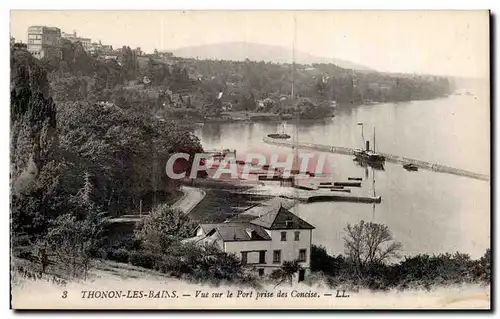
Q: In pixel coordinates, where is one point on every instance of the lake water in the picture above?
(427, 212)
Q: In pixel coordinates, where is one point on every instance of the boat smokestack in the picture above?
(367, 145)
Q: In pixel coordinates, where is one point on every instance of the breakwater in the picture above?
(389, 157)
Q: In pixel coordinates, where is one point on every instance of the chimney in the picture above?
(367, 145)
(251, 233)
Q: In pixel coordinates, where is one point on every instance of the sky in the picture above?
(431, 42)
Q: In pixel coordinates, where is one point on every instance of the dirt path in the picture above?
(192, 197)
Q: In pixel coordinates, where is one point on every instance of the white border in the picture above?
(185, 4)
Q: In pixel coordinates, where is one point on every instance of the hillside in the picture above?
(176, 87)
(239, 51)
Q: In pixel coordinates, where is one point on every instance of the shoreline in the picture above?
(273, 117)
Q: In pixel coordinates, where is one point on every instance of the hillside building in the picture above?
(44, 41)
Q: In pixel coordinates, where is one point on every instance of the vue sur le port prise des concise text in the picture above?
(201, 294)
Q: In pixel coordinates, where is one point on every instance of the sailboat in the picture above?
(374, 195)
(369, 156)
(281, 135)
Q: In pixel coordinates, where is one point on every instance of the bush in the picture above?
(119, 255)
(143, 259)
(163, 227)
(20, 240)
(132, 244)
(321, 261)
(420, 271)
(204, 264)
(216, 267)
(23, 252)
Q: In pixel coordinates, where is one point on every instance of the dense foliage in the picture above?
(286, 272)
(163, 227)
(372, 261)
(34, 156)
(74, 161)
(418, 271)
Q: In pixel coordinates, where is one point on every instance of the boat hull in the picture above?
(410, 167)
(279, 136)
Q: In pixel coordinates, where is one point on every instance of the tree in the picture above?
(369, 243)
(129, 62)
(163, 227)
(77, 237)
(75, 242)
(34, 147)
(125, 152)
(286, 272)
(485, 266)
(248, 102)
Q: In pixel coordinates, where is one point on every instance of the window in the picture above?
(283, 236)
(253, 235)
(261, 272)
(302, 255)
(244, 257)
(262, 257)
(276, 256)
(289, 223)
(297, 236)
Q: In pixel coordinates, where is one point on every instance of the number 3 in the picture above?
(65, 294)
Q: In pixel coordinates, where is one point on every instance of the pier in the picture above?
(308, 193)
(321, 196)
(389, 158)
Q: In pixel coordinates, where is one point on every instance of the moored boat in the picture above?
(281, 135)
(367, 155)
(410, 167)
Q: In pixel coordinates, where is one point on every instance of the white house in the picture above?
(263, 240)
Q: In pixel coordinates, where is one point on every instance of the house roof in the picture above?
(207, 227)
(200, 239)
(264, 208)
(279, 218)
(239, 232)
(272, 216)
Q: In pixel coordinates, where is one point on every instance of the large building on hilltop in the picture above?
(44, 41)
(86, 42)
(97, 48)
(262, 239)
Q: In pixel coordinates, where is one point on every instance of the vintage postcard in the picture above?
(250, 160)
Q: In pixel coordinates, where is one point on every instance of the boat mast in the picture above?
(296, 131)
(374, 149)
(362, 133)
(374, 195)
(373, 180)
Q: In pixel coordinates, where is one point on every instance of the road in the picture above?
(192, 197)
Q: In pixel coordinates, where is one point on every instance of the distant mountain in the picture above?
(239, 51)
